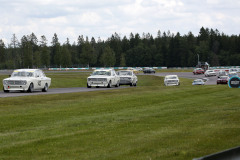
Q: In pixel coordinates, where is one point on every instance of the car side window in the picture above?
(41, 74)
(37, 74)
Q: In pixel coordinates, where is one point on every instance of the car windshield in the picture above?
(22, 74)
(223, 77)
(124, 73)
(106, 73)
(198, 80)
(172, 77)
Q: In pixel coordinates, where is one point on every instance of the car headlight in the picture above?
(105, 79)
(89, 79)
(5, 82)
(23, 82)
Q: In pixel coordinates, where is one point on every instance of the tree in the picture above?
(122, 60)
(58, 55)
(66, 56)
(2, 54)
(88, 56)
(27, 52)
(15, 57)
(55, 51)
(45, 52)
(108, 58)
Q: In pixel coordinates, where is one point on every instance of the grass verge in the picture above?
(146, 122)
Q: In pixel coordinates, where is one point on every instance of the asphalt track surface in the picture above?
(55, 91)
(211, 81)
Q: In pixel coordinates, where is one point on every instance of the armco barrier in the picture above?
(230, 154)
(186, 68)
(65, 69)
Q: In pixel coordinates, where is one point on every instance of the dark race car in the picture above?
(148, 70)
(198, 71)
(222, 80)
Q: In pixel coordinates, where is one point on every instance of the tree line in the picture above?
(166, 49)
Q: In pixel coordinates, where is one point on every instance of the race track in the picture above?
(55, 91)
(211, 81)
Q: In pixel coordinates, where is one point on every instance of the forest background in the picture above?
(166, 49)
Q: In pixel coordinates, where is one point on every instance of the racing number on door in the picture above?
(39, 83)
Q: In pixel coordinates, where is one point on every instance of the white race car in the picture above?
(27, 80)
(127, 77)
(171, 80)
(198, 82)
(103, 78)
(210, 73)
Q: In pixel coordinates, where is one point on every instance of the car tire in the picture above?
(135, 84)
(5, 91)
(31, 88)
(109, 84)
(88, 86)
(45, 89)
(117, 85)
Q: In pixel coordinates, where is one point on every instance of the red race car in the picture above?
(198, 71)
(222, 80)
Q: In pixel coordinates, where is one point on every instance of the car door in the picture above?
(114, 79)
(36, 80)
(134, 78)
(42, 78)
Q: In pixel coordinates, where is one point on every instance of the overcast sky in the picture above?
(102, 18)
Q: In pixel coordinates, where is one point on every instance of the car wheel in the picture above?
(117, 85)
(31, 87)
(88, 86)
(6, 91)
(135, 84)
(109, 84)
(45, 89)
(131, 84)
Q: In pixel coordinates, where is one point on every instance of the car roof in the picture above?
(126, 70)
(26, 70)
(103, 69)
(224, 76)
(171, 76)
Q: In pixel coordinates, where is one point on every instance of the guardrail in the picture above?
(92, 68)
(186, 68)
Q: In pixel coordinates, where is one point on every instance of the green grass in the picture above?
(150, 121)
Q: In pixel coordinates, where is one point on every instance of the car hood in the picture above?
(17, 78)
(99, 76)
(125, 76)
(171, 79)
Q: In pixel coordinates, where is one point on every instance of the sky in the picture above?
(102, 18)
